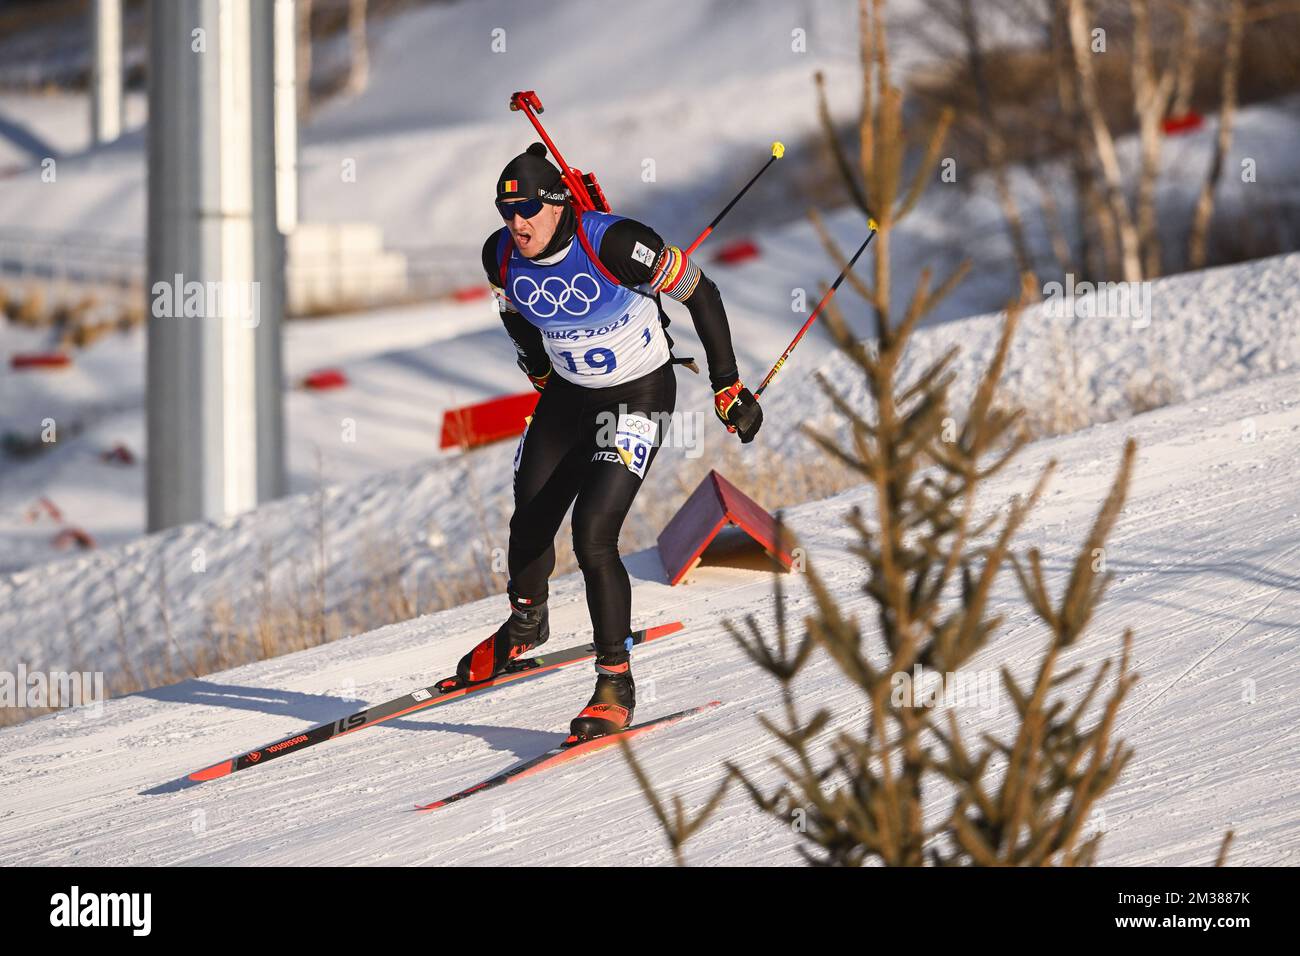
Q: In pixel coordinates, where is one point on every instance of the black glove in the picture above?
(539, 381)
(738, 409)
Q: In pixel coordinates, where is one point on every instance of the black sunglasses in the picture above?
(528, 208)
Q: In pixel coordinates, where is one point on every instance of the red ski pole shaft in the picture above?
(817, 311)
(526, 101)
(778, 150)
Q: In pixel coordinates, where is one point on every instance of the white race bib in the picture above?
(609, 352)
(635, 439)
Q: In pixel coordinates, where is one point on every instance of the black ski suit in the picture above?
(565, 456)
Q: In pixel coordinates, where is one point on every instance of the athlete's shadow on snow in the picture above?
(518, 741)
(267, 700)
(320, 708)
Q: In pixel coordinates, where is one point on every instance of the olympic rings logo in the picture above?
(557, 293)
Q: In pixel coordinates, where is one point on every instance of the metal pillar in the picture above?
(268, 243)
(106, 70)
(201, 301)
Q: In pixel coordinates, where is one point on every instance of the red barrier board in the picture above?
(714, 504)
(472, 425)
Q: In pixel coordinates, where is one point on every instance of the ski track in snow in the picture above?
(1205, 572)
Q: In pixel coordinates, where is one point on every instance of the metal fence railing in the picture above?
(117, 263)
(82, 258)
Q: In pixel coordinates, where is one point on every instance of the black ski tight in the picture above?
(566, 454)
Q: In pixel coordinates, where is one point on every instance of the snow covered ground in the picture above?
(1191, 335)
(1204, 555)
(1210, 330)
(404, 366)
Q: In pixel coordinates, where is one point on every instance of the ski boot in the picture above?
(526, 628)
(610, 708)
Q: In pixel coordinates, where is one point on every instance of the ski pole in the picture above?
(527, 101)
(826, 298)
(778, 150)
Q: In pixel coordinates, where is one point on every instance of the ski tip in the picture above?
(212, 773)
(695, 711)
(422, 807)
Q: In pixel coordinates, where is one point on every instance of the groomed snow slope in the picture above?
(1205, 558)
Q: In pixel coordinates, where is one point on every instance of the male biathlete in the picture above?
(578, 294)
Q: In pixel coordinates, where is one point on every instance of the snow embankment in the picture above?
(1204, 557)
(1194, 334)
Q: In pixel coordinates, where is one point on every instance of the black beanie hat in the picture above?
(531, 174)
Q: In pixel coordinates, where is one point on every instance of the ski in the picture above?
(561, 754)
(441, 692)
